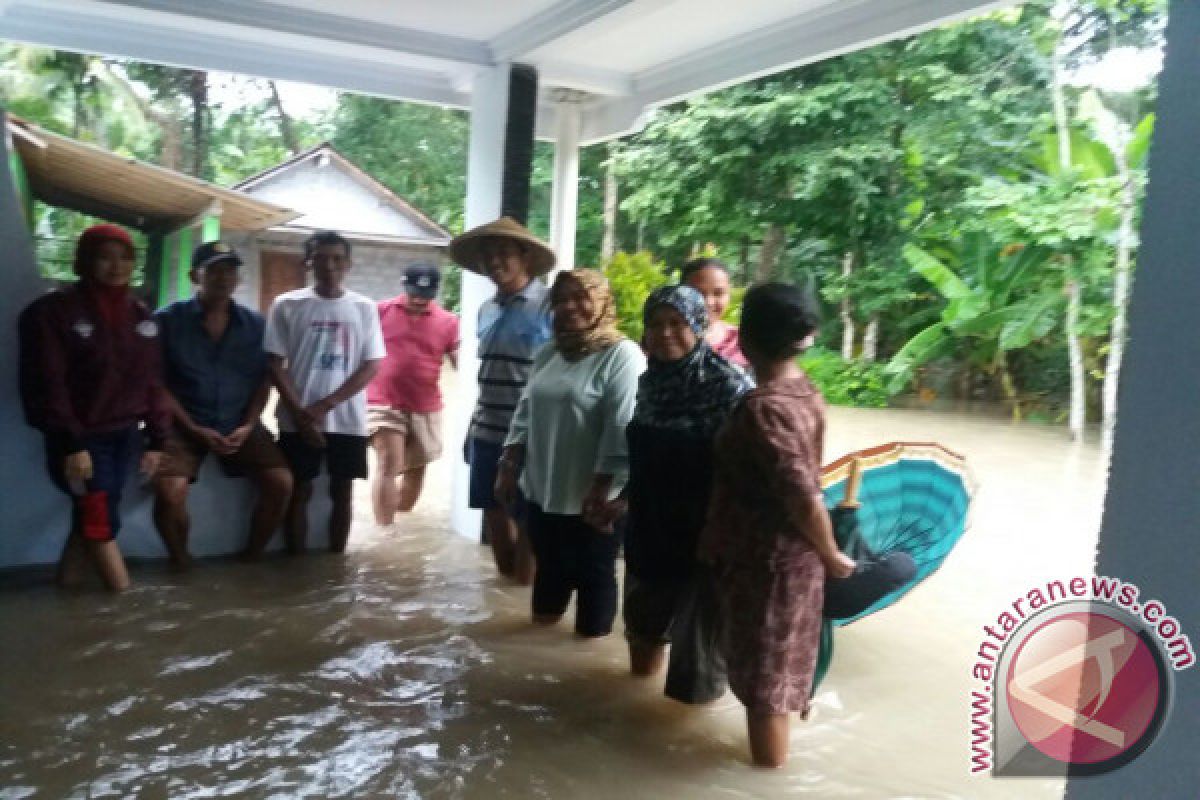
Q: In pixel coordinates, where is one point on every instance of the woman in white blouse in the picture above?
(567, 445)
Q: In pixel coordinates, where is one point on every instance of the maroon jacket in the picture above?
(80, 377)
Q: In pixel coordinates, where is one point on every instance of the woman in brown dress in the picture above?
(768, 534)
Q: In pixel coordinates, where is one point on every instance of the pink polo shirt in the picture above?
(416, 344)
(730, 347)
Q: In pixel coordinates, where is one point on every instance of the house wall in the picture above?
(308, 187)
(377, 271)
(33, 526)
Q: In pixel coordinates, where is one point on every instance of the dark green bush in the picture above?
(846, 383)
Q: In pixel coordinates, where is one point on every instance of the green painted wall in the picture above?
(21, 183)
(211, 229)
(183, 286)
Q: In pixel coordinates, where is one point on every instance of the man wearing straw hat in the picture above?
(513, 324)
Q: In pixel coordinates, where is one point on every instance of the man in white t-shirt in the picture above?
(325, 345)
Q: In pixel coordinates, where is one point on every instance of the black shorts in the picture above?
(345, 456)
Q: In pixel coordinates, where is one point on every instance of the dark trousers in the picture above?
(685, 613)
(96, 503)
(572, 556)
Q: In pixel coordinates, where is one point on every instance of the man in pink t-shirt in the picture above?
(404, 414)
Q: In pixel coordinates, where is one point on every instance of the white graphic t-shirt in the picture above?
(325, 340)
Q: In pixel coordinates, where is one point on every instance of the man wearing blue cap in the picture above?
(404, 403)
(217, 384)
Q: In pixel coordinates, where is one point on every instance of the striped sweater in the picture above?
(510, 329)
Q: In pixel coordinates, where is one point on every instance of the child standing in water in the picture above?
(768, 534)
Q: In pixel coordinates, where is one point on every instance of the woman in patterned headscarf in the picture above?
(567, 444)
(686, 393)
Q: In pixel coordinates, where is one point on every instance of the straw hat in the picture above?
(466, 249)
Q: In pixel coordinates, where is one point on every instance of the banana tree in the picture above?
(997, 301)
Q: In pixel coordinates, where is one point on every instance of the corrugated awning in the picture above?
(70, 174)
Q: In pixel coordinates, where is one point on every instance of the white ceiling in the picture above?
(628, 55)
(642, 35)
(470, 19)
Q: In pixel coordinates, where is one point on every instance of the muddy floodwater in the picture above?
(406, 669)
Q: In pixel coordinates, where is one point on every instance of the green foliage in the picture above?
(452, 288)
(1087, 29)
(419, 152)
(1139, 145)
(632, 276)
(733, 311)
(851, 158)
(997, 299)
(589, 224)
(246, 141)
(846, 383)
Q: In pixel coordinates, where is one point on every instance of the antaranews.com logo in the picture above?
(1075, 678)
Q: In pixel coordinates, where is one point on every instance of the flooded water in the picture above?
(405, 669)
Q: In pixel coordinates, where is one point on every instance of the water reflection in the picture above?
(405, 670)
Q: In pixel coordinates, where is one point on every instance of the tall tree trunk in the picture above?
(1062, 123)
(198, 92)
(1011, 396)
(287, 127)
(641, 235)
(1076, 417)
(1121, 280)
(768, 254)
(608, 245)
(870, 345)
(848, 327)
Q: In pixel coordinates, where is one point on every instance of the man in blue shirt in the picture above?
(217, 384)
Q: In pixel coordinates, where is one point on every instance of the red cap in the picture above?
(90, 241)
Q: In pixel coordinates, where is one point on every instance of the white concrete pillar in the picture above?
(485, 173)
(564, 200)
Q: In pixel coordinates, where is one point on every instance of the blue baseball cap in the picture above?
(422, 279)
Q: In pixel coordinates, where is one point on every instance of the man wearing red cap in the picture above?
(89, 377)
